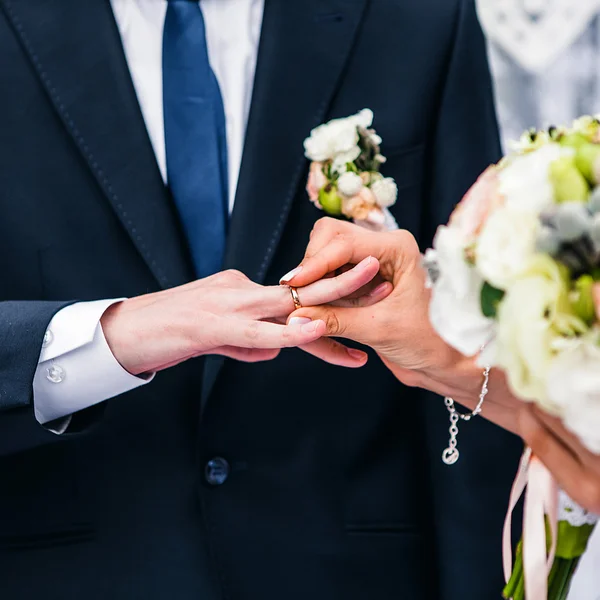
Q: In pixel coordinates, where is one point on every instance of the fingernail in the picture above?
(289, 276)
(364, 263)
(357, 354)
(378, 290)
(297, 321)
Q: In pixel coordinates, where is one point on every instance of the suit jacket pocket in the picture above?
(39, 503)
(383, 528)
(387, 491)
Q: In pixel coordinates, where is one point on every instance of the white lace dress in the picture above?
(545, 58)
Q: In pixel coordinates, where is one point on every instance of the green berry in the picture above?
(586, 159)
(331, 201)
(568, 182)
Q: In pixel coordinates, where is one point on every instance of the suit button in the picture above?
(216, 471)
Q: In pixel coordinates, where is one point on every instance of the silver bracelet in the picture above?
(451, 453)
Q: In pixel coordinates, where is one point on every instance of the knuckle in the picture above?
(252, 333)
(235, 275)
(325, 223)
(406, 237)
(287, 338)
(333, 324)
(407, 245)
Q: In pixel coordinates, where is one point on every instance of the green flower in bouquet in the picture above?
(517, 271)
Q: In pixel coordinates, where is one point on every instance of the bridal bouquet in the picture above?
(517, 272)
(344, 177)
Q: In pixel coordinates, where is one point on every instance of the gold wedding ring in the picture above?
(295, 297)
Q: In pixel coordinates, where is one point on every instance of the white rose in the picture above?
(455, 308)
(505, 245)
(385, 192)
(524, 338)
(525, 181)
(349, 184)
(341, 159)
(317, 147)
(362, 119)
(331, 139)
(527, 327)
(574, 390)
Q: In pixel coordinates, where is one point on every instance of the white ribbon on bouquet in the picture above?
(541, 501)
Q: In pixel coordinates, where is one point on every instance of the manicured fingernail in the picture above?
(356, 354)
(297, 321)
(289, 276)
(382, 287)
(363, 264)
(311, 327)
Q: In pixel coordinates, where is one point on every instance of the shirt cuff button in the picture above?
(48, 338)
(55, 374)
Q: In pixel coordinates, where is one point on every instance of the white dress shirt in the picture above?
(76, 367)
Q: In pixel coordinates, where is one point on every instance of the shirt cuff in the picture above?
(76, 368)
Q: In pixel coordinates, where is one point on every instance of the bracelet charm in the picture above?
(451, 454)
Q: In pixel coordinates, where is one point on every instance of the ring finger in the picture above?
(278, 301)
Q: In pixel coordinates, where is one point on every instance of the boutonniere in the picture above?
(344, 177)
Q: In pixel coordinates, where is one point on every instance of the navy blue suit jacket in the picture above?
(336, 488)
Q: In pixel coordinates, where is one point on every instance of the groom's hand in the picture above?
(226, 314)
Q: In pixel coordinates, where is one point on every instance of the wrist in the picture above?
(125, 339)
(457, 376)
(112, 328)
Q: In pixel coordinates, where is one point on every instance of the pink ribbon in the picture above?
(541, 500)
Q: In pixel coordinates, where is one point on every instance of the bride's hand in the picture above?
(397, 327)
(575, 468)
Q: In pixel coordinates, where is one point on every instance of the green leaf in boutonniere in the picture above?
(490, 299)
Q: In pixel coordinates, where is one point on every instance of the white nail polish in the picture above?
(289, 276)
(365, 263)
(297, 321)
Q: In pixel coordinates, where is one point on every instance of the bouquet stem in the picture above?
(572, 542)
(560, 577)
(515, 588)
(558, 581)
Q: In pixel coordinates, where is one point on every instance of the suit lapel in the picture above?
(75, 48)
(304, 47)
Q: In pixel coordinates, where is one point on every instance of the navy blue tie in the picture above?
(195, 136)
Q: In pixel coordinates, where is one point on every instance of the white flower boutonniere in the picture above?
(344, 177)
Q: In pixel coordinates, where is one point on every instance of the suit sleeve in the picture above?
(22, 329)
(471, 497)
